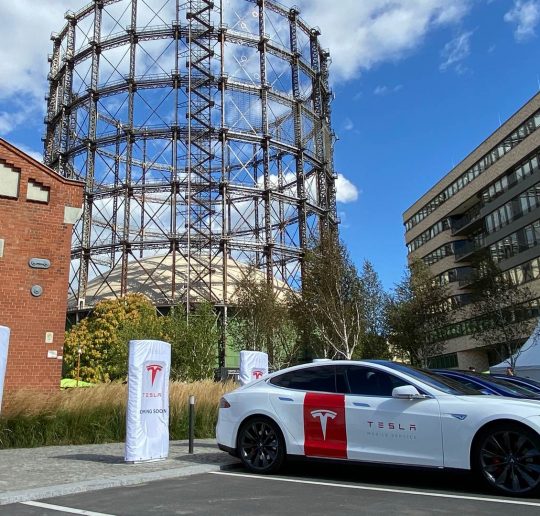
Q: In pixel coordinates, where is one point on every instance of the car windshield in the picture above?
(525, 382)
(519, 390)
(441, 383)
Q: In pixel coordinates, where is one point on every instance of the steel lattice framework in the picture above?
(202, 131)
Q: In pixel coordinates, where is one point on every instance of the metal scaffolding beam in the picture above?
(202, 131)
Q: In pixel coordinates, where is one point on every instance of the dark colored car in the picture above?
(533, 385)
(488, 384)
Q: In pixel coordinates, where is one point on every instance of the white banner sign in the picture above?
(147, 418)
(4, 347)
(253, 365)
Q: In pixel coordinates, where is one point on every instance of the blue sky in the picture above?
(404, 122)
(418, 85)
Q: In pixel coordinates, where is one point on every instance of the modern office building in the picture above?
(491, 200)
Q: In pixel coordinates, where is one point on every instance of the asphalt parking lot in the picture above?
(302, 488)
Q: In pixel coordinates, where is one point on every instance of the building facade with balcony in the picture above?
(490, 201)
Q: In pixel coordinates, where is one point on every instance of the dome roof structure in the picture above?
(153, 278)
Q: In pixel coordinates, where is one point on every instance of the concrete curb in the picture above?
(104, 483)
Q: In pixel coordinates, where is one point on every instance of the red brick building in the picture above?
(37, 211)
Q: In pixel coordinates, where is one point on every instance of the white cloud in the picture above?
(348, 125)
(343, 224)
(9, 120)
(37, 155)
(525, 15)
(455, 51)
(361, 34)
(345, 190)
(385, 90)
(26, 28)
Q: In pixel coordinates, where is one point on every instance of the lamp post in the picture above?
(191, 423)
(79, 351)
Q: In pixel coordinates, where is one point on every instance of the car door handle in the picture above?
(285, 399)
(358, 404)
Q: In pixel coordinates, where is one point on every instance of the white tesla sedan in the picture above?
(384, 412)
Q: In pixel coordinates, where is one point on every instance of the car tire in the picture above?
(261, 446)
(506, 458)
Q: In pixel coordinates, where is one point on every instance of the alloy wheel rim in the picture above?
(259, 444)
(510, 461)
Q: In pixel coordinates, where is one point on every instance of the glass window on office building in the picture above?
(443, 361)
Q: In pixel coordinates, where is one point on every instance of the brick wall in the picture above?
(35, 229)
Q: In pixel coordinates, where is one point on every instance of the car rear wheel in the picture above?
(261, 446)
(507, 457)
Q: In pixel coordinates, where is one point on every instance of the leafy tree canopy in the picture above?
(102, 339)
(500, 309)
(416, 312)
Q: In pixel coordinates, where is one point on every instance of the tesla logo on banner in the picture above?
(325, 431)
(153, 369)
(323, 415)
(257, 373)
(154, 379)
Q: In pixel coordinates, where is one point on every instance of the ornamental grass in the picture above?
(98, 414)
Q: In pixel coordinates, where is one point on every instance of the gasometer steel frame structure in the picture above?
(202, 131)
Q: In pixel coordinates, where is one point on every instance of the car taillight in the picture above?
(223, 403)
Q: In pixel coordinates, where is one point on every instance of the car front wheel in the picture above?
(507, 457)
(261, 446)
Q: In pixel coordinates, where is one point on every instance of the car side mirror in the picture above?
(407, 392)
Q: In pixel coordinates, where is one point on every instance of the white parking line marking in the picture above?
(383, 489)
(68, 510)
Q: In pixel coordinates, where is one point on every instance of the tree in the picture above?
(263, 323)
(100, 340)
(331, 311)
(374, 340)
(499, 309)
(103, 339)
(193, 344)
(416, 313)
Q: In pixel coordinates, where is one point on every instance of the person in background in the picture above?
(509, 371)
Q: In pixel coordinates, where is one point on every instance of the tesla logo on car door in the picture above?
(323, 415)
(325, 433)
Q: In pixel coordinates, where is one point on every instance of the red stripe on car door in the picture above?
(325, 432)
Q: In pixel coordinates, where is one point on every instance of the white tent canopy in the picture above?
(527, 358)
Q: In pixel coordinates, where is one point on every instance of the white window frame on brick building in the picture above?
(10, 180)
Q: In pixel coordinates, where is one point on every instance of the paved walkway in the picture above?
(36, 473)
